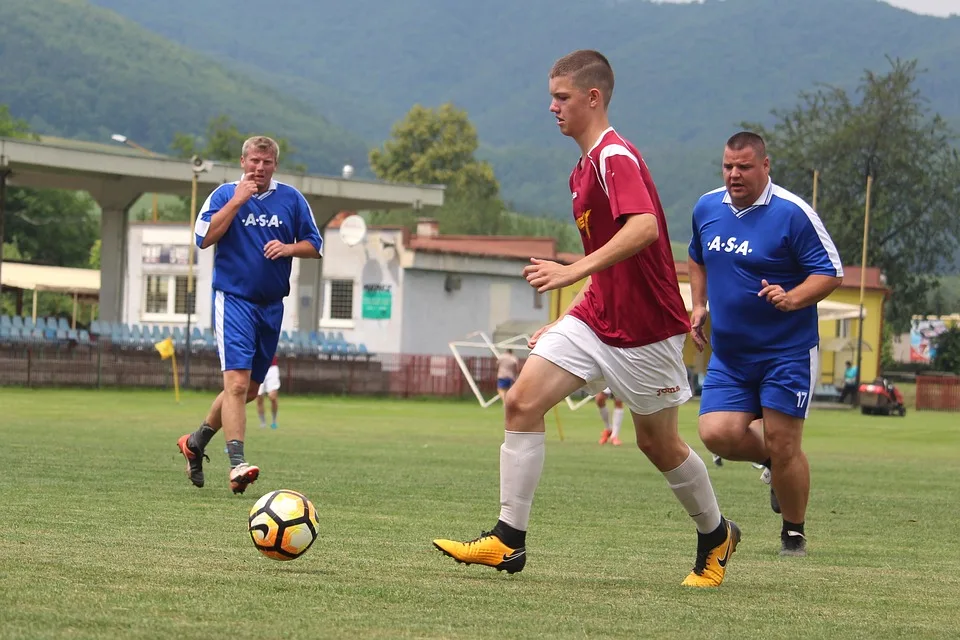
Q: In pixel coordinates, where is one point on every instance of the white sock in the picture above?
(521, 463)
(691, 484)
(617, 420)
(605, 416)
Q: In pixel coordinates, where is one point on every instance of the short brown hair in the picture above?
(261, 143)
(744, 139)
(589, 70)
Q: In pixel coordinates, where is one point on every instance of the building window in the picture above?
(341, 299)
(338, 303)
(165, 298)
(180, 303)
(155, 288)
(843, 328)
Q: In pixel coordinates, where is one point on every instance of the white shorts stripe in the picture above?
(814, 376)
(218, 318)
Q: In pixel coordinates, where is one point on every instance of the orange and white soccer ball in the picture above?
(283, 524)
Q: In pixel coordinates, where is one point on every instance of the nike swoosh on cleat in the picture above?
(726, 555)
(514, 555)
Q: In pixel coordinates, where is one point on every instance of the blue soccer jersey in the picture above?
(779, 239)
(239, 267)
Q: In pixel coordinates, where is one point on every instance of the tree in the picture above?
(947, 356)
(438, 146)
(887, 132)
(51, 226)
(223, 142)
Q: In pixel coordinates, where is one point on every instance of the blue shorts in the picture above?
(247, 333)
(784, 384)
(504, 383)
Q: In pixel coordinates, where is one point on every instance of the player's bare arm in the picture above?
(220, 221)
(532, 342)
(698, 291)
(809, 292)
(636, 234)
(302, 249)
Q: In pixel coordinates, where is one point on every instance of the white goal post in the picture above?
(480, 340)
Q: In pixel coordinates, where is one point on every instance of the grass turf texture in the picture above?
(105, 537)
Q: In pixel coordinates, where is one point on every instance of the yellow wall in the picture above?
(831, 365)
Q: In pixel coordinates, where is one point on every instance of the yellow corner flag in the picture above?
(166, 350)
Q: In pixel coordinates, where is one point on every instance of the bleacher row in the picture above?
(56, 330)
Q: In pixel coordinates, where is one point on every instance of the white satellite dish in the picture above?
(353, 230)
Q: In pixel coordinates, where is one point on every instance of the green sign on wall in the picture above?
(376, 302)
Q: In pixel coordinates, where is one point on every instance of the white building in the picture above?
(395, 292)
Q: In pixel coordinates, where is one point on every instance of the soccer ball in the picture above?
(283, 524)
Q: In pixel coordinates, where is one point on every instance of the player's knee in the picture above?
(518, 405)
(782, 446)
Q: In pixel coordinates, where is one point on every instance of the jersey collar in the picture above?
(270, 189)
(765, 197)
(596, 144)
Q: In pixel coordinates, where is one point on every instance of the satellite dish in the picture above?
(353, 230)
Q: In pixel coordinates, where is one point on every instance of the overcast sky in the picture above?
(930, 7)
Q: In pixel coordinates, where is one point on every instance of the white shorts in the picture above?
(272, 380)
(647, 379)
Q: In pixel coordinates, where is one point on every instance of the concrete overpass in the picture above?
(117, 179)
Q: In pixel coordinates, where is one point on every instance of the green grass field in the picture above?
(105, 538)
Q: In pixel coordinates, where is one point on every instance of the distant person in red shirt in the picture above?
(270, 387)
(625, 329)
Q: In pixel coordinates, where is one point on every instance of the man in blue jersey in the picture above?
(259, 225)
(763, 259)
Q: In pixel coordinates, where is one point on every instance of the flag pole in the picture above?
(816, 178)
(863, 281)
(176, 379)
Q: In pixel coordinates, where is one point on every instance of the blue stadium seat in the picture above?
(39, 323)
(50, 333)
(362, 348)
(5, 321)
(5, 330)
(84, 336)
(63, 324)
(17, 322)
(36, 334)
(52, 323)
(16, 334)
(28, 323)
(95, 328)
(61, 334)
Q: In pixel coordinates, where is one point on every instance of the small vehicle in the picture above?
(881, 397)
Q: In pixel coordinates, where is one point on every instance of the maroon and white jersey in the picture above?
(637, 301)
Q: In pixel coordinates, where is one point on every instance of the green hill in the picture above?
(80, 71)
(686, 74)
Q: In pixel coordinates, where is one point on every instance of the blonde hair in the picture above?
(261, 143)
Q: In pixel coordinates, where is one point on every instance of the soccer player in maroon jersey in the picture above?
(625, 329)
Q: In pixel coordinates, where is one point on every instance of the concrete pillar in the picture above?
(307, 293)
(113, 253)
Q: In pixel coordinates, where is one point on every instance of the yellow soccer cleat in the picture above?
(711, 564)
(488, 549)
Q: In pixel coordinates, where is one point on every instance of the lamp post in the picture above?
(198, 165)
(122, 139)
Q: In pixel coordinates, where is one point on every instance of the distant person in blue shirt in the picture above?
(849, 381)
(763, 259)
(259, 225)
